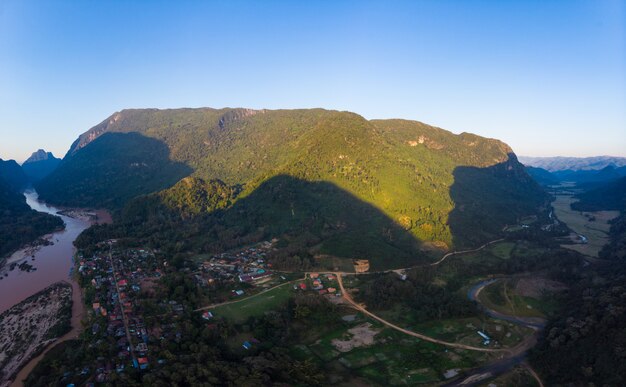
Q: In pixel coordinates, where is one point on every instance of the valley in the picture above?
(590, 228)
(398, 253)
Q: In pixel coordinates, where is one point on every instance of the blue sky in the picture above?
(547, 77)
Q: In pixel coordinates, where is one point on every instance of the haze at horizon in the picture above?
(548, 79)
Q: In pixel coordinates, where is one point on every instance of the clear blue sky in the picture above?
(547, 77)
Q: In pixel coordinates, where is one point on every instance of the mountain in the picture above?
(429, 182)
(610, 196)
(13, 175)
(559, 163)
(40, 164)
(542, 176)
(19, 224)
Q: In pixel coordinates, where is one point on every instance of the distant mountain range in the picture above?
(589, 171)
(553, 164)
(325, 176)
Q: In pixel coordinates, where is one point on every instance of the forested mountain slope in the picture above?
(18, 223)
(413, 174)
(13, 175)
(40, 164)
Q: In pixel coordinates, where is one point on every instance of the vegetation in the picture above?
(19, 224)
(13, 175)
(586, 343)
(40, 164)
(326, 183)
(611, 196)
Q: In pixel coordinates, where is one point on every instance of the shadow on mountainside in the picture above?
(487, 199)
(116, 168)
(311, 219)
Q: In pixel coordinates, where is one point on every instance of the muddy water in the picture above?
(53, 262)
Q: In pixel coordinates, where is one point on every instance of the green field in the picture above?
(255, 305)
(500, 296)
(503, 249)
(393, 359)
(580, 222)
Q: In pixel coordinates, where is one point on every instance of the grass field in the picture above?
(256, 305)
(394, 358)
(580, 222)
(503, 249)
(500, 297)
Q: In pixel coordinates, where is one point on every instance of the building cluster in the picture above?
(116, 278)
(320, 283)
(246, 265)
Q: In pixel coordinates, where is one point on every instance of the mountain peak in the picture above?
(39, 155)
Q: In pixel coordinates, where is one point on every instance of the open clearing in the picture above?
(362, 335)
(240, 311)
(593, 225)
(520, 297)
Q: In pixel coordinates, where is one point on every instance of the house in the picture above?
(143, 362)
(302, 286)
(207, 315)
(314, 275)
(247, 345)
(486, 338)
(332, 290)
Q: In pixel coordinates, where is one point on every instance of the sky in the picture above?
(546, 77)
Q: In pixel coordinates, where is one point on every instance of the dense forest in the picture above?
(18, 223)
(423, 183)
(587, 342)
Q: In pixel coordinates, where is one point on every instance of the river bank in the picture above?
(45, 263)
(53, 263)
(78, 312)
(28, 327)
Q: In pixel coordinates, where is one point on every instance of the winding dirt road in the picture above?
(361, 309)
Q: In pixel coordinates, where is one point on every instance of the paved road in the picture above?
(517, 355)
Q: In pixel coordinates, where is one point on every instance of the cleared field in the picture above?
(257, 305)
(392, 359)
(503, 249)
(593, 225)
(501, 297)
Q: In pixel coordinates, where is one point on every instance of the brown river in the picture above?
(53, 263)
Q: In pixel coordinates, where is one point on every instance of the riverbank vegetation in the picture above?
(19, 224)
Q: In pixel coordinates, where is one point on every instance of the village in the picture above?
(113, 281)
(116, 282)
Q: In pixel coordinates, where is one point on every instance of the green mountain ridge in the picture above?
(426, 180)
